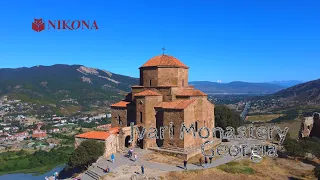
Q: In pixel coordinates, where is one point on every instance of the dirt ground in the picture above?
(267, 169)
(133, 172)
(277, 168)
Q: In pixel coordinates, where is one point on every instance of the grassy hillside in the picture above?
(51, 84)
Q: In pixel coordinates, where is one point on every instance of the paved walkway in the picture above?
(121, 160)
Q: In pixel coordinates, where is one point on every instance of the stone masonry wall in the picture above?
(183, 77)
(150, 116)
(168, 76)
(176, 117)
(149, 74)
(115, 114)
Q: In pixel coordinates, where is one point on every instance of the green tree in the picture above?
(225, 117)
(21, 152)
(293, 148)
(87, 153)
(80, 131)
(311, 145)
(317, 171)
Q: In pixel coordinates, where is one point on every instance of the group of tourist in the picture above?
(205, 161)
(130, 154)
(200, 162)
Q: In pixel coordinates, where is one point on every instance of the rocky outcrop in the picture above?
(315, 132)
(310, 126)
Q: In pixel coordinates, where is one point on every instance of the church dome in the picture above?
(164, 61)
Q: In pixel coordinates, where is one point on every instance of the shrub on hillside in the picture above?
(293, 148)
(317, 171)
(87, 153)
(225, 117)
(311, 145)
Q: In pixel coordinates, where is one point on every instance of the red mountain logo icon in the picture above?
(38, 25)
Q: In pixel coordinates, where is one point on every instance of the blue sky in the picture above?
(226, 40)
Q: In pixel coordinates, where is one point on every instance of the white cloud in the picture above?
(219, 81)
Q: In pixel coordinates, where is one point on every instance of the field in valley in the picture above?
(262, 118)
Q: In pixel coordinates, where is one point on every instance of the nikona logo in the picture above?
(38, 25)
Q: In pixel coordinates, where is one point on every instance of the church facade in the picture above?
(162, 97)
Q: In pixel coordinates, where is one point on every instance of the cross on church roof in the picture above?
(163, 49)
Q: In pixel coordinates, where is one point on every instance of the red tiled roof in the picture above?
(190, 92)
(120, 104)
(164, 60)
(38, 135)
(176, 104)
(114, 130)
(148, 93)
(94, 135)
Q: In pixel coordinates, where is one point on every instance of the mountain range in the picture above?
(287, 83)
(58, 82)
(308, 91)
(55, 83)
(236, 87)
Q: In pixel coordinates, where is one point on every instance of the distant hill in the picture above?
(236, 87)
(308, 91)
(287, 83)
(54, 83)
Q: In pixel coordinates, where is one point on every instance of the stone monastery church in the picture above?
(162, 97)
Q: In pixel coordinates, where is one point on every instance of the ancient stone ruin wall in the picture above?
(310, 126)
(306, 126)
(315, 132)
(111, 145)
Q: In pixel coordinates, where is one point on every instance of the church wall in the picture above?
(149, 74)
(131, 113)
(182, 77)
(136, 90)
(168, 76)
(193, 114)
(165, 91)
(176, 117)
(150, 117)
(140, 107)
(202, 112)
(115, 113)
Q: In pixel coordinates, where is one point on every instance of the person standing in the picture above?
(185, 164)
(200, 161)
(205, 162)
(210, 159)
(135, 157)
(131, 152)
(142, 169)
(112, 158)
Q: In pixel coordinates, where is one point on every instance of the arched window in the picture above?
(172, 129)
(196, 126)
(119, 120)
(141, 117)
(150, 82)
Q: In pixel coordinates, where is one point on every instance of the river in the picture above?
(22, 176)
